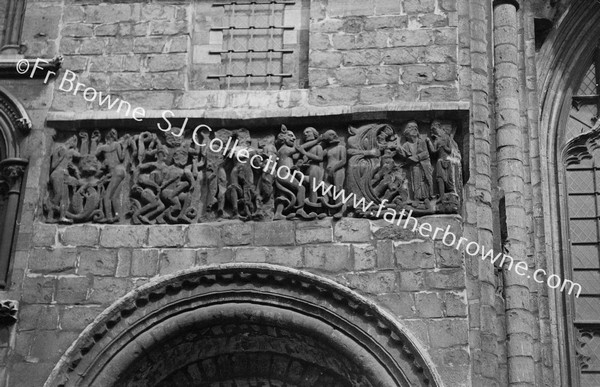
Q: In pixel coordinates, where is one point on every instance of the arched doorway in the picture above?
(249, 325)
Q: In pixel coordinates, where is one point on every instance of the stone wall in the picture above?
(72, 273)
(380, 52)
(409, 56)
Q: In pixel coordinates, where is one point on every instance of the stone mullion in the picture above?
(485, 354)
(510, 179)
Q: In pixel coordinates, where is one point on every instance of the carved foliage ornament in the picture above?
(150, 178)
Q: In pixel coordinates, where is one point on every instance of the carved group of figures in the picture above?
(160, 178)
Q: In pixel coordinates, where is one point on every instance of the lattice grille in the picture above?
(252, 53)
(588, 86)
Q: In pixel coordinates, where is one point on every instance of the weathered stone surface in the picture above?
(172, 261)
(412, 280)
(200, 235)
(365, 256)
(124, 236)
(352, 230)
(290, 257)
(54, 261)
(446, 279)
(375, 283)
(76, 318)
(328, 257)
(274, 233)
(106, 290)
(167, 236)
(32, 317)
(429, 305)
(251, 254)
(38, 290)
(100, 262)
(234, 234)
(72, 290)
(456, 305)
(80, 235)
(215, 256)
(448, 333)
(44, 235)
(144, 263)
(415, 255)
(400, 304)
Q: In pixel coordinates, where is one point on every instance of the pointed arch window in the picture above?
(581, 156)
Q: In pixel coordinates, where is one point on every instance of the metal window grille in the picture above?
(583, 203)
(252, 53)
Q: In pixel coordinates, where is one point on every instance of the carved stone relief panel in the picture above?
(300, 172)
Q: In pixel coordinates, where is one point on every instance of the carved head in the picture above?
(180, 157)
(411, 130)
(330, 137)
(71, 142)
(310, 134)
(161, 153)
(171, 140)
(437, 129)
(89, 165)
(112, 135)
(286, 136)
(386, 133)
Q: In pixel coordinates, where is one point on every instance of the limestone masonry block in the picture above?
(38, 290)
(44, 234)
(333, 258)
(234, 234)
(80, 235)
(201, 235)
(290, 257)
(365, 256)
(53, 261)
(172, 260)
(124, 236)
(352, 230)
(101, 262)
(167, 236)
(144, 263)
(73, 290)
(251, 254)
(274, 233)
(415, 255)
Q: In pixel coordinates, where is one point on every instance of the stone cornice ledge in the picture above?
(236, 113)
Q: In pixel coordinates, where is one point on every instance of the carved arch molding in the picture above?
(245, 322)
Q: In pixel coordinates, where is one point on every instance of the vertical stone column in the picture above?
(11, 176)
(509, 150)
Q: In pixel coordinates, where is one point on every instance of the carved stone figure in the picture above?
(335, 171)
(63, 174)
(442, 148)
(112, 153)
(416, 153)
(291, 192)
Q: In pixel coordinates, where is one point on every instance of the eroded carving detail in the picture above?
(150, 178)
